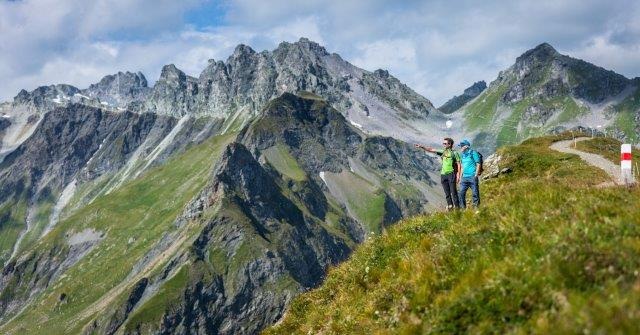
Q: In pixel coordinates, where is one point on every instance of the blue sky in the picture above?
(436, 47)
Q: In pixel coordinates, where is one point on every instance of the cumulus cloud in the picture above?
(437, 47)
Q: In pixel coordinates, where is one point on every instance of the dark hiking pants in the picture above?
(449, 185)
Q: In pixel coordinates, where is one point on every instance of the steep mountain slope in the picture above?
(458, 101)
(217, 239)
(75, 154)
(545, 91)
(549, 252)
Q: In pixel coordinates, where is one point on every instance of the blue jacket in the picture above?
(469, 159)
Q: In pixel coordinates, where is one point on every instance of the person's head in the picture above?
(447, 142)
(464, 144)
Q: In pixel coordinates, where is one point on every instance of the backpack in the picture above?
(481, 162)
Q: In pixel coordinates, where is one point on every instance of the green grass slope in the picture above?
(608, 147)
(625, 118)
(547, 253)
(130, 219)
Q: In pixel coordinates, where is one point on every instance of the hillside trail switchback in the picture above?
(598, 161)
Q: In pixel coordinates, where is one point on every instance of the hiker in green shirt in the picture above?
(450, 172)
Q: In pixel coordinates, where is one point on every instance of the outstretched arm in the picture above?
(428, 149)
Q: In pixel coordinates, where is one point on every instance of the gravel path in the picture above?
(592, 159)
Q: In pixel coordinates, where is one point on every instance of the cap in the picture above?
(464, 142)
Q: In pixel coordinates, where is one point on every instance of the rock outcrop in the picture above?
(458, 101)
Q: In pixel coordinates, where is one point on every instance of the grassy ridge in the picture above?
(547, 252)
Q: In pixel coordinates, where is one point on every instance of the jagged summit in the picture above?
(119, 89)
(543, 53)
(241, 86)
(242, 49)
(304, 44)
(170, 72)
(127, 79)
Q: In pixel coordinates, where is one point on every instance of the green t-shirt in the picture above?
(448, 157)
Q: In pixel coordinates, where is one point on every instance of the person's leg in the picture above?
(447, 191)
(464, 185)
(475, 189)
(454, 191)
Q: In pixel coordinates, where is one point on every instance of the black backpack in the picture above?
(481, 163)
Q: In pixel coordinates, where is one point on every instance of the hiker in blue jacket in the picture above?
(471, 169)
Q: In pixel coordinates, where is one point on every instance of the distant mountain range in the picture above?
(204, 205)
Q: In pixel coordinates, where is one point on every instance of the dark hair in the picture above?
(449, 140)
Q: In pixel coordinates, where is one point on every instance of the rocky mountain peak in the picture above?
(303, 46)
(121, 79)
(476, 88)
(45, 96)
(542, 53)
(22, 96)
(469, 93)
(312, 46)
(171, 73)
(242, 50)
(119, 89)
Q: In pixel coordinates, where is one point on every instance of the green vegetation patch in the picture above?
(481, 112)
(547, 253)
(625, 119)
(309, 95)
(570, 109)
(153, 309)
(363, 200)
(12, 215)
(608, 147)
(281, 159)
(508, 133)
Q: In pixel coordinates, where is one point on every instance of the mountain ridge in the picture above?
(544, 92)
(276, 186)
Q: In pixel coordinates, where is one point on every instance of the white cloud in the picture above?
(293, 30)
(53, 41)
(436, 47)
(386, 54)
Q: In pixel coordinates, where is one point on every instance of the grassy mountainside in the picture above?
(547, 252)
(627, 115)
(115, 231)
(545, 91)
